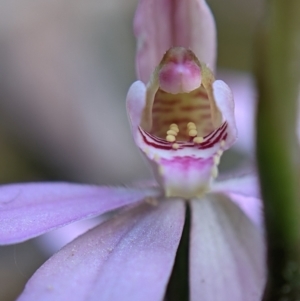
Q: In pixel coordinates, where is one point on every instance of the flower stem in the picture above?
(178, 287)
(278, 76)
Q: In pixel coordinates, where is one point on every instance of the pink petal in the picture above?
(247, 185)
(162, 24)
(28, 210)
(129, 257)
(251, 206)
(135, 103)
(51, 242)
(227, 253)
(224, 101)
(244, 191)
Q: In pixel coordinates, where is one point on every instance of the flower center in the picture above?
(186, 122)
(180, 110)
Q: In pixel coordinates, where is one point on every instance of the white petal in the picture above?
(227, 252)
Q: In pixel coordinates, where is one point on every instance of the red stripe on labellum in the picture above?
(201, 94)
(155, 144)
(194, 108)
(209, 141)
(212, 134)
(157, 139)
(161, 110)
(154, 138)
(170, 102)
(204, 116)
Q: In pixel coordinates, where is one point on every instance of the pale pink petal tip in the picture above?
(129, 258)
(179, 72)
(225, 103)
(53, 241)
(245, 192)
(244, 184)
(227, 253)
(135, 103)
(251, 206)
(162, 24)
(29, 210)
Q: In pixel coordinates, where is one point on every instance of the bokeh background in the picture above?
(65, 68)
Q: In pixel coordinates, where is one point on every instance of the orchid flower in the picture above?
(182, 120)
